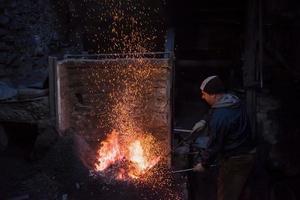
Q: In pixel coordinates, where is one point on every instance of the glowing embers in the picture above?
(127, 156)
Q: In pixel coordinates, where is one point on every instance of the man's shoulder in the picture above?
(225, 110)
(225, 113)
(220, 114)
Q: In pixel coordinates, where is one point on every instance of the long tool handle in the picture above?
(182, 130)
(183, 170)
(189, 169)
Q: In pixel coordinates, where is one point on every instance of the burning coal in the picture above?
(127, 157)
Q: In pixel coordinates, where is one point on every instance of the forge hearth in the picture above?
(94, 95)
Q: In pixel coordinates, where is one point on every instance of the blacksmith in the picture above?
(230, 139)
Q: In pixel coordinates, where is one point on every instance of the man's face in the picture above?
(209, 98)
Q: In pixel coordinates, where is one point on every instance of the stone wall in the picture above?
(32, 30)
(29, 32)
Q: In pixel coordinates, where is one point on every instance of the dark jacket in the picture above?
(229, 130)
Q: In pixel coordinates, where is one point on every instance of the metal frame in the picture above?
(120, 55)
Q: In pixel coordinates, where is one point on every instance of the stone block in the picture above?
(3, 32)
(3, 139)
(3, 58)
(4, 47)
(4, 20)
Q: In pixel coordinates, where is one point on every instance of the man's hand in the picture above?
(198, 168)
(199, 126)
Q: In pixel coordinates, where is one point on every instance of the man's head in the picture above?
(212, 88)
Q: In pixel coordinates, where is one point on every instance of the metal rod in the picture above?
(182, 170)
(189, 169)
(182, 130)
(118, 55)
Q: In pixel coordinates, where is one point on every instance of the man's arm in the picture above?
(218, 128)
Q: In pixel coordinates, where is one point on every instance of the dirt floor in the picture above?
(60, 174)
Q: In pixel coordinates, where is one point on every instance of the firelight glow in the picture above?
(134, 152)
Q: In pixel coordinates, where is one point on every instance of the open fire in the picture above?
(127, 156)
(124, 105)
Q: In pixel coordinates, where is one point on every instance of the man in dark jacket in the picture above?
(230, 139)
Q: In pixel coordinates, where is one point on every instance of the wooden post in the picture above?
(250, 60)
(172, 103)
(169, 48)
(53, 90)
(261, 44)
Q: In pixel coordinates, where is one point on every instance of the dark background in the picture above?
(252, 45)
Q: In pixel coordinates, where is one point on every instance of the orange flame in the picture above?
(109, 152)
(136, 151)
